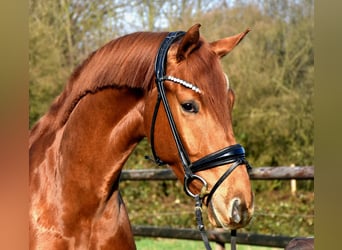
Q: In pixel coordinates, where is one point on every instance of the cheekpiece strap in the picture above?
(159, 66)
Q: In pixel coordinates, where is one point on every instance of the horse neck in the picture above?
(82, 164)
(88, 152)
(99, 136)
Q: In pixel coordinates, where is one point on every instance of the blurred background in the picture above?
(271, 72)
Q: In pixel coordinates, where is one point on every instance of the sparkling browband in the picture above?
(183, 83)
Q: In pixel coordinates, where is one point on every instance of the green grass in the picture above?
(173, 244)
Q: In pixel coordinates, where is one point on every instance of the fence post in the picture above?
(293, 184)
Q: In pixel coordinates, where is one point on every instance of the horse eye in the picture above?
(190, 107)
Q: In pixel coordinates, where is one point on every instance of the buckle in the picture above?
(187, 182)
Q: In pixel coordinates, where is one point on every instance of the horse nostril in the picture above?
(235, 213)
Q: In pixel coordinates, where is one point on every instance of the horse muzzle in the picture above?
(235, 215)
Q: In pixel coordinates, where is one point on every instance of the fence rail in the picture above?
(217, 235)
(260, 173)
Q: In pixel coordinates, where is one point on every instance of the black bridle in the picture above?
(234, 154)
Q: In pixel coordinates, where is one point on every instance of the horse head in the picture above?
(200, 100)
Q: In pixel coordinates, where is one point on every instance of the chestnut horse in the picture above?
(111, 102)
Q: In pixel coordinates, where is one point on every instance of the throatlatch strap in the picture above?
(156, 159)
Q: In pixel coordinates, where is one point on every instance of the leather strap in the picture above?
(159, 69)
(218, 158)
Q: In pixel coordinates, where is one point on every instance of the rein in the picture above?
(234, 154)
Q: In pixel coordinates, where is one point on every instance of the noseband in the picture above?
(234, 154)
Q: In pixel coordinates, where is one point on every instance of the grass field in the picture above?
(172, 244)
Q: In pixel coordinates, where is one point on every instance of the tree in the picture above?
(46, 54)
(61, 35)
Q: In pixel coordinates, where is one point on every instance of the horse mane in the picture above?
(127, 61)
(121, 62)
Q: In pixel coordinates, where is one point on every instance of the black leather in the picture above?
(218, 158)
(159, 68)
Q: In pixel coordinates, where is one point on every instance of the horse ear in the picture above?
(224, 46)
(188, 43)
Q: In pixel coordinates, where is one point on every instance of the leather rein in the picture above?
(234, 154)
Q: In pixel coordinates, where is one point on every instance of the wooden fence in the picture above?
(218, 235)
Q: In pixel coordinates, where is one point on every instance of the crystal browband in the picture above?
(183, 83)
